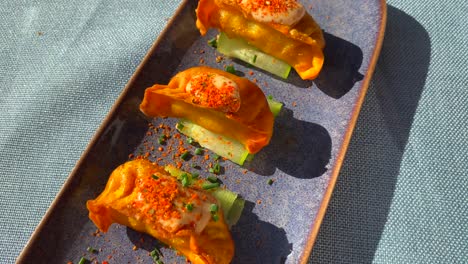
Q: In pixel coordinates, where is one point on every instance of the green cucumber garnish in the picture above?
(240, 49)
(231, 204)
(221, 145)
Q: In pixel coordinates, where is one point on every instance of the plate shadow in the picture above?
(269, 242)
(340, 70)
(298, 148)
(359, 208)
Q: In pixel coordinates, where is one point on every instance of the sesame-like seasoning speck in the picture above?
(271, 6)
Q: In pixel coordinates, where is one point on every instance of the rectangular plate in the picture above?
(280, 221)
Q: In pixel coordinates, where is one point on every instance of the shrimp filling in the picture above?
(285, 12)
(214, 91)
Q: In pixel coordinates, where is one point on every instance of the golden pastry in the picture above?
(281, 28)
(221, 102)
(144, 197)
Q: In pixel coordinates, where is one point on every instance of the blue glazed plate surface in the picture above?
(280, 221)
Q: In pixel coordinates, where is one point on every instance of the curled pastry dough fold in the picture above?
(129, 199)
(251, 124)
(300, 45)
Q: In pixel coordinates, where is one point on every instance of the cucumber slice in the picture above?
(240, 49)
(235, 212)
(175, 172)
(275, 106)
(226, 198)
(230, 202)
(221, 145)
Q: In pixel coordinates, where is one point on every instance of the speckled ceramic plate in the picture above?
(280, 221)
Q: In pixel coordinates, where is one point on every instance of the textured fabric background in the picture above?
(402, 193)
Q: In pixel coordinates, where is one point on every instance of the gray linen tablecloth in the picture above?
(401, 196)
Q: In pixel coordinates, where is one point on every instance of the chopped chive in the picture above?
(215, 217)
(156, 252)
(83, 260)
(91, 250)
(207, 186)
(213, 208)
(212, 179)
(216, 157)
(185, 180)
(231, 69)
(270, 97)
(154, 176)
(216, 169)
(156, 256)
(189, 207)
(162, 139)
(190, 140)
(270, 181)
(198, 151)
(179, 126)
(213, 43)
(195, 175)
(254, 59)
(185, 156)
